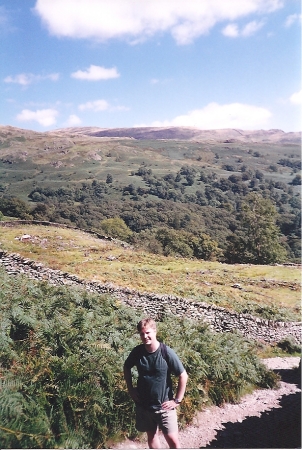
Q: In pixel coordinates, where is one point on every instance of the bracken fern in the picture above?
(62, 352)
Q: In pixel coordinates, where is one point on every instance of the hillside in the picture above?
(187, 133)
(271, 292)
(73, 155)
(189, 181)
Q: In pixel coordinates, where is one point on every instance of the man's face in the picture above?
(148, 335)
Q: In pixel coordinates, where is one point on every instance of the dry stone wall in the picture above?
(155, 305)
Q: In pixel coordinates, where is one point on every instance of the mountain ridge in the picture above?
(190, 133)
(173, 133)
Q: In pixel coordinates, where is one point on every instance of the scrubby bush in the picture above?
(116, 228)
(289, 345)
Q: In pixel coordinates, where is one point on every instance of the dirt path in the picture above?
(264, 419)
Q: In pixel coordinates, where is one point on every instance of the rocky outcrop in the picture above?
(155, 305)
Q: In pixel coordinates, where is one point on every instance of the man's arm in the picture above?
(132, 390)
(182, 383)
(180, 391)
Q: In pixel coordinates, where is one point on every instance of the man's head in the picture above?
(144, 323)
(147, 332)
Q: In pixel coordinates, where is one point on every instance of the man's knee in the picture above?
(172, 440)
(153, 439)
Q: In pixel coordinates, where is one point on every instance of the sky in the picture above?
(209, 64)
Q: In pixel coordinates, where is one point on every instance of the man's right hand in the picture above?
(133, 392)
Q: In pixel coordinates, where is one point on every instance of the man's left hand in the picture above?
(169, 404)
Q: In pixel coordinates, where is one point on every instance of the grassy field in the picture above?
(268, 291)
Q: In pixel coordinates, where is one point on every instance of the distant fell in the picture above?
(188, 133)
(227, 135)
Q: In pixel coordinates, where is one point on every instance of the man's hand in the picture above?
(133, 392)
(169, 404)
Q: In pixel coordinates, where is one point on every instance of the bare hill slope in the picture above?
(188, 133)
(177, 133)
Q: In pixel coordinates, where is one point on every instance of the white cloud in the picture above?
(293, 18)
(296, 98)
(215, 116)
(155, 81)
(6, 21)
(101, 105)
(52, 77)
(137, 20)
(45, 117)
(3, 17)
(24, 79)
(119, 108)
(251, 28)
(96, 73)
(73, 120)
(232, 30)
(96, 105)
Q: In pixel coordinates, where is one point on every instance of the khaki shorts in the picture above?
(165, 420)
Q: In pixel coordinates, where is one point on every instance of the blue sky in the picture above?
(123, 63)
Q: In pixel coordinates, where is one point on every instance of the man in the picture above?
(153, 396)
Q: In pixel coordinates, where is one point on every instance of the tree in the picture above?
(174, 243)
(259, 175)
(257, 240)
(177, 177)
(205, 247)
(109, 178)
(116, 228)
(190, 179)
(297, 180)
(14, 207)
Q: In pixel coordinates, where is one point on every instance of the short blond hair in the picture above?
(148, 322)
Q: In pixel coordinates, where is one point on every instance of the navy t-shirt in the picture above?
(154, 383)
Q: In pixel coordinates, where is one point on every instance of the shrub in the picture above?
(116, 228)
(289, 345)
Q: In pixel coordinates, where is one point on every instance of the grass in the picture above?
(261, 290)
(265, 351)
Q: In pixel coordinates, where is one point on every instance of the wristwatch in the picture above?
(177, 401)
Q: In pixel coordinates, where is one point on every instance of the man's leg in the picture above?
(169, 427)
(153, 439)
(172, 439)
(146, 422)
